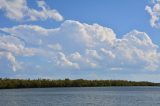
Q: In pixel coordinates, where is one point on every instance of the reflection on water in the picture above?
(90, 96)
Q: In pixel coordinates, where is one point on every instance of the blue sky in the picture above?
(105, 39)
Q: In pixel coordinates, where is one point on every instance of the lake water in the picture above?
(89, 96)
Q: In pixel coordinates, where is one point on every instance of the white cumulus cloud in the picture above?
(80, 46)
(19, 10)
(154, 12)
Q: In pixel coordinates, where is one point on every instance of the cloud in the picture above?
(62, 61)
(19, 10)
(56, 46)
(10, 47)
(154, 12)
(80, 46)
(9, 56)
(84, 62)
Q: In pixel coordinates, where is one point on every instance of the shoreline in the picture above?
(60, 83)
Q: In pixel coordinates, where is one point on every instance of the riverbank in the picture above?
(46, 83)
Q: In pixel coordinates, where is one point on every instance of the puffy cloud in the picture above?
(32, 35)
(18, 10)
(62, 61)
(10, 47)
(154, 12)
(137, 50)
(14, 45)
(108, 53)
(75, 45)
(83, 61)
(13, 62)
(93, 54)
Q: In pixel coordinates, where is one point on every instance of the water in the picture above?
(91, 96)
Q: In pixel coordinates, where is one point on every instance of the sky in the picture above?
(98, 39)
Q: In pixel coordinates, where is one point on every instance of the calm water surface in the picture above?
(90, 96)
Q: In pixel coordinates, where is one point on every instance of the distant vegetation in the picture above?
(46, 83)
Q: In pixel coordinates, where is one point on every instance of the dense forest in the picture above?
(46, 83)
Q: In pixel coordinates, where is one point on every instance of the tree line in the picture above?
(6, 83)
